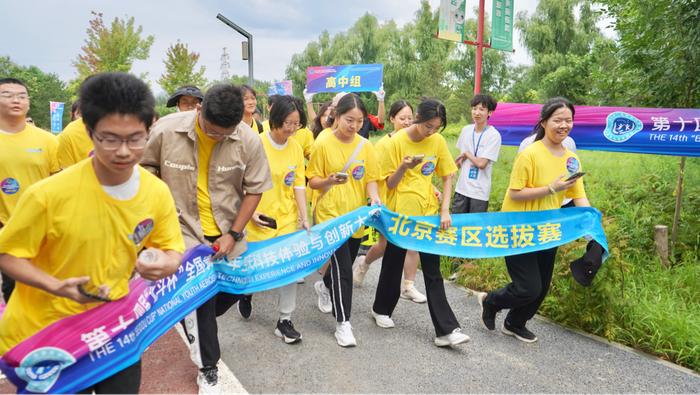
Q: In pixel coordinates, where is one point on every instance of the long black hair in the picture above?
(429, 109)
(548, 109)
(316, 126)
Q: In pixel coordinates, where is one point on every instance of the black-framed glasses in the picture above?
(111, 143)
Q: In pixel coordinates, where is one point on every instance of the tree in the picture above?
(43, 88)
(180, 65)
(113, 48)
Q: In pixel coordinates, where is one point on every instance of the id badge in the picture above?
(473, 172)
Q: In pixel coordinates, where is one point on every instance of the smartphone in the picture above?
(418, 157)
(575, 176)
(342, 176)
(269, 221)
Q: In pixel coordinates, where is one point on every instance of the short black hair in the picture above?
(246, 87)
(115, 93)
(429, 109)
(397, 106)
(284, 106)
(485, 100)
(223, 105)
(272, 99)
(10, 80)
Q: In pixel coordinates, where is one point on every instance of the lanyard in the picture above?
(476, 146)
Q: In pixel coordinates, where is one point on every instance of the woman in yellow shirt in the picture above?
(282, 210)
(538, 182)
(250, 105)
(411, 159)
(401, 117)
(344, 170)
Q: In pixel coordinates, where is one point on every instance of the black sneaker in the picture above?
(245, 306)
(522, 334)
(488, 312)
(208, 377)
(285, 330)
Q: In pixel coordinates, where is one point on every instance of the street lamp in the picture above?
(247, 46)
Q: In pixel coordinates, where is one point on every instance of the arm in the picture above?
(165, 265)
(245, 212)
(527, 194)
(408, 163)
(445, 218)
(309, 97)
(381, 111)
(373, 193)
(326, 183)
(478, 162)
(300, 197)
(582, 202)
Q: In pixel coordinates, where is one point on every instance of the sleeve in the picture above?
(64, 153)
(151, 155)
(493, 147)
(317, 166)
(523, 144)
(166, 234)
(521, 173)
(24, 233)
(391, 160)
(445, 163)
(257, 178)
(300, 174)
(308, 143)
(461, 142)
(372, 163)
(52, 151)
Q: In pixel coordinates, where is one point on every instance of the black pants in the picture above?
(202, 330)
(462, 204)
(389, 288)
(127, 381)
(8, 285)
(531, 275)
(339, 278)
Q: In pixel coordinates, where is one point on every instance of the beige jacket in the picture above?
(238, 165)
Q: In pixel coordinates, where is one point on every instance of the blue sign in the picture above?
(347, 78)
(56, 116)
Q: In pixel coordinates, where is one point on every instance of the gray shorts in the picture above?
(462, 204)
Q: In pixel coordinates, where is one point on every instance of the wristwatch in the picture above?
(237, 236)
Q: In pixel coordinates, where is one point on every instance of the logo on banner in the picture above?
(428, 168)
(572, 165)
(42, 367)
(141, 231)
(358, 172)
(621, 126)
(289, 179)
(9, 185)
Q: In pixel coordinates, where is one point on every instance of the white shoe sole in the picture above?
(419, 301)
(382, 325)
(515, 335)
(319, 304)
(344, 344)
(288, 340)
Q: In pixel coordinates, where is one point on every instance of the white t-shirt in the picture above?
(127, 190)
(486, 144)
(568, 142)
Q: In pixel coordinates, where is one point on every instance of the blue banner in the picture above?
(56, 116)
(280, 88)
(81, 350)
(347, 78)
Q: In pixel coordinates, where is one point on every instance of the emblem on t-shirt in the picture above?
(621, 126)
(428, 168)
(141, 231)
(9, 186)
(42, 367)
(572, 165)
(289, 179)
(358, 172)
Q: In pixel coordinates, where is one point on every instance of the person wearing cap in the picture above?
(185, 98)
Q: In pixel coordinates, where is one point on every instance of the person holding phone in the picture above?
(343, 151)
(282, 210)
(411, 159)
(540, 180)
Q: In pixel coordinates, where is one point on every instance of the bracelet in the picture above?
(551, 189)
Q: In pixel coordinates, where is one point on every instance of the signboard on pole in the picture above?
(56, 109)
(280, 88)
(502, 25)
(451, 21)
(346, 78)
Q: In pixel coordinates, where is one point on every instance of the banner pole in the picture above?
(677, 212)
(479, 48)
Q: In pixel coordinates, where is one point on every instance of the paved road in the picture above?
(404, 359)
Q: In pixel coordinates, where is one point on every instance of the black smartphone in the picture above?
(269, 221)
(575, 176)
(341, 176)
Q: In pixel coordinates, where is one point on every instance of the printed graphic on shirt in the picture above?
(428, 168)
(141, 231)
(358, 172)
(9, 186)
(289, 178)
(572, 165)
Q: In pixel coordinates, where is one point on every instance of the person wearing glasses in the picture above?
(282, 209)
(27, 154)
(216, 169)
(73, 239)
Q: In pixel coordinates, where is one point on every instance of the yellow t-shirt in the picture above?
(537, 167)
(74, 144)
(205, 146)
(25, 158)
(324, 133)
(330, 156)
(381, 147)
(305, 138)
(414, 195)
(266, 125)
(68, 226)
(288, 174)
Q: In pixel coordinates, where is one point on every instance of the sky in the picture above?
(48, 34)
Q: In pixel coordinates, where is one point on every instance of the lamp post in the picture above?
(249, 37)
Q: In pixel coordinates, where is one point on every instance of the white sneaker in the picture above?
(208, 382)
(359, 271)
(343, 334)
(411, 293)
(382, 321)
(453, 339)
(324, 297)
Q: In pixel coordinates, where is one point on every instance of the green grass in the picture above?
(633, 300)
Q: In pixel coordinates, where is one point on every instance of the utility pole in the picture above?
(249, 43)
(225, 66)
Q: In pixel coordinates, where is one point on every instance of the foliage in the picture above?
(43, 88)
(180, 65)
